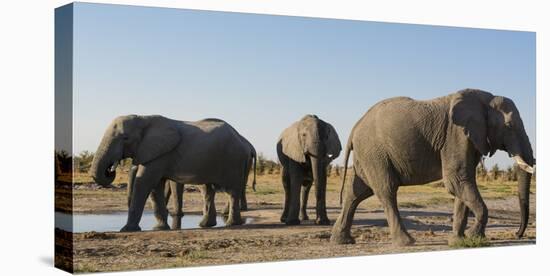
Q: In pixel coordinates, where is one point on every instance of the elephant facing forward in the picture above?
(209, 151)
(305, 149)
(401, 141)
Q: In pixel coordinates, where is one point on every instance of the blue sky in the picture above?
(260, 73)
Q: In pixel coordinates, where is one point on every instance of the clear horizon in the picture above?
(261, 73)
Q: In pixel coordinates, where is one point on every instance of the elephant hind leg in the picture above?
(386, 192)
(399, 234)
(159, 207)
(209, 207)
(234, 216)
(305, 193)
(354, 194)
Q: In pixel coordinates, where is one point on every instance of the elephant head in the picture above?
(142, 138)
(493, 123)
(314, 138)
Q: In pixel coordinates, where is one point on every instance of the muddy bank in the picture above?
(269, 240)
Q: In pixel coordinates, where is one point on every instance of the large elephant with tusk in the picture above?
(401, 141)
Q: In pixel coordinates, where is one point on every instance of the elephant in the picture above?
(305, 149)
(401, 141)
(174, 191)
(208, 151)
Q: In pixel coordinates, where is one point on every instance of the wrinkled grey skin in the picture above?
(305, 149)
(401, 141)
(208, 151)
(174, 191)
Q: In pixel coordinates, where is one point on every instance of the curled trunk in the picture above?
(103, 167)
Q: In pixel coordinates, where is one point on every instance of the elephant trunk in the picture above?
(318, 166)
(524, 181)
(526, 164)
(103, 169)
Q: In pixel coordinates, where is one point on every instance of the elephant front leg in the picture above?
(159, 207)
(341, 231)
(131, 179)
(209, 207)
(305, 194)
(460, 220)
(321, 207)
(286, 185)
(146, 179)
(472, 199)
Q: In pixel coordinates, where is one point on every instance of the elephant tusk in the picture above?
(113, 167)
(523, 165)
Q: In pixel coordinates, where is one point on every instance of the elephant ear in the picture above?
(293, 146)
(333, 144)
(470, 113)
(159, 137)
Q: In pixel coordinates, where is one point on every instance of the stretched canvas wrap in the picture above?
(197, 138)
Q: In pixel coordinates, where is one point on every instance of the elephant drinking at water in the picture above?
(401, 141)
(305, 149)
(173, 191)
(209, 151)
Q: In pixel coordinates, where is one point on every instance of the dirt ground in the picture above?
(426, 211)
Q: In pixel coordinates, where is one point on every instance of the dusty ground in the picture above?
(426, 211)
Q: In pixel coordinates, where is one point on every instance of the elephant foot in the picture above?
(322, 221)
(128, 228)
(403, 239)
(244, 207)
(283, 219)
(234, 221)
(475, 232)
(292, 222)
(454, 239)
(161, 227)
(304, 217)
(342, 238)
(207, 222)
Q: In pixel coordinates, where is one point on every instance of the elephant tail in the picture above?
(254, 179)
(349, 148)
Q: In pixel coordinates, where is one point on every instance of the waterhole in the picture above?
(110, 222)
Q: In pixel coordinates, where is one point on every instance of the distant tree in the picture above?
(337, 169)
(277, 168)
(481, 171)
(84, 161)
(514, 170)
(64, 161)
(495, 172)
(261, 166)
